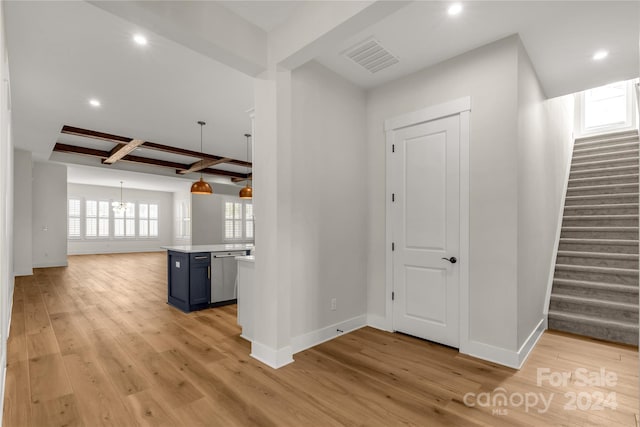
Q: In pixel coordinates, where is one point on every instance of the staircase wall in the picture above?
(544, 152)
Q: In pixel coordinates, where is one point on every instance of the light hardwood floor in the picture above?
(96, 344)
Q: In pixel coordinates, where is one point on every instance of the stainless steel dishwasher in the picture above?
(224, 269)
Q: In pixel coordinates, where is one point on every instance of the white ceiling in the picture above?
(63, 53)
(264, 14)
(559, 36)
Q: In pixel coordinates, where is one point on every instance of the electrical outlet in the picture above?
(333, 304)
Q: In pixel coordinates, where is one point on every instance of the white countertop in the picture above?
(210, 248)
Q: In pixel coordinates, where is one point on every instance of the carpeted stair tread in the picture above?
(596, 163)
(603, 186)
(606, 170)
(628, 177)
(617, 287)
(609, 137)
(632, 326)
(600, 270)
(622, 146)
(583, 254)
(601, 241)
(604, 206)
(616, 305)
(622, 216)
(601, 196)
(589, 157)
(597, 228)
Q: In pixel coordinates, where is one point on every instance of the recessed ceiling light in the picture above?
(601, 54)
(94, 102)
(454, 9)
(140, 39)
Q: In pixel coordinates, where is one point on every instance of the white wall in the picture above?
(329, 201)
(544, 151)
(22, 213)
(487, 74)
(207, 215)
(6, 205)
(49, 215)
(112, 245)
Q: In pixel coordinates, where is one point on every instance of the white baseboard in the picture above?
(3, 386)
(28, 272)
(531, 341)
(503, 356)
(311, 339)
(51, 264)
(275, 358)
(378, 322)
(115, 251)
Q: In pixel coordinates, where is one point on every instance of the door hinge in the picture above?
(393, 246)
(393, 148)
(393, 197)
(393, 296)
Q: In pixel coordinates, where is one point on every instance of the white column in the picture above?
(271, 341)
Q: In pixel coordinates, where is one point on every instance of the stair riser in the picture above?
(624, 235)
(595, 141)
(584, 166)
(604, 180)
(597, 277)
(600, 222)
(600, 332)
(612, 155)
(598, 262)
(606, 148)
(573, 211)
(614, 189)
(611, 249)
(601, 312)
(593, 173)
(610, 200)
(602, 294)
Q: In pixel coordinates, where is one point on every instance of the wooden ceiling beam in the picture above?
(87, 133)
(70, 130)
(121, 150)
(243, 178)
(73, 149)
(203, 164)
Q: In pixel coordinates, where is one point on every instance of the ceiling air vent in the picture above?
(371, 55)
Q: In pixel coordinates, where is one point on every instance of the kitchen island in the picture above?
(203, 276)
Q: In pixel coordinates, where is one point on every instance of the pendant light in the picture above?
(119, 207)
(247, 192)
(201, 186)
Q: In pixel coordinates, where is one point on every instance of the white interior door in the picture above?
(425, 177)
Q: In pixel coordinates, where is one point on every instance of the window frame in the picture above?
(628, 124)
(80, 236)
(243, 220)
(98, 219)
(149, 219)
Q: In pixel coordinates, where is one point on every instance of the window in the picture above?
(96, 218)
(73, 215)
(148, 220)
(124, 223)
(238, 221)
(183, 225)
(606, 108)
(248, 220)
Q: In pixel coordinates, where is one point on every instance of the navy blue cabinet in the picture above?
(189, 280)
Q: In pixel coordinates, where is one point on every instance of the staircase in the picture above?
(595, 286)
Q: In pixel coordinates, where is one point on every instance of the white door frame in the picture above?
(461, 107)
